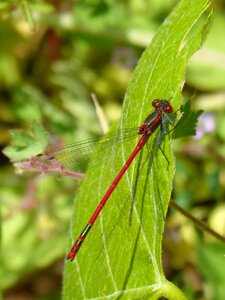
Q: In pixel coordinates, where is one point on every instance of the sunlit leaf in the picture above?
(121, 257)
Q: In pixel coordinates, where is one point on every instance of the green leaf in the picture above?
(187, 124)
(24, 145)
(121, 257)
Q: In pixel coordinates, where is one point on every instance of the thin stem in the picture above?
(197, 222)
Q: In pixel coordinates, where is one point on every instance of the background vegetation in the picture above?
(53, 55)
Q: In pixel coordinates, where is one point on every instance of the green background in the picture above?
(53, 55)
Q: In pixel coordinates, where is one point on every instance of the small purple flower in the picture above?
(206, 123)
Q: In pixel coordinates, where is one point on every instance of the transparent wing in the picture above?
(72, 159)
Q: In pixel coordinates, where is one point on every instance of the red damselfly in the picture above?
(158, 118)
(63, 159)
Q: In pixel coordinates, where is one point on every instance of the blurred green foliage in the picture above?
(53, 55)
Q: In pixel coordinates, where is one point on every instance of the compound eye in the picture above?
(155, 103)
(168, 108)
